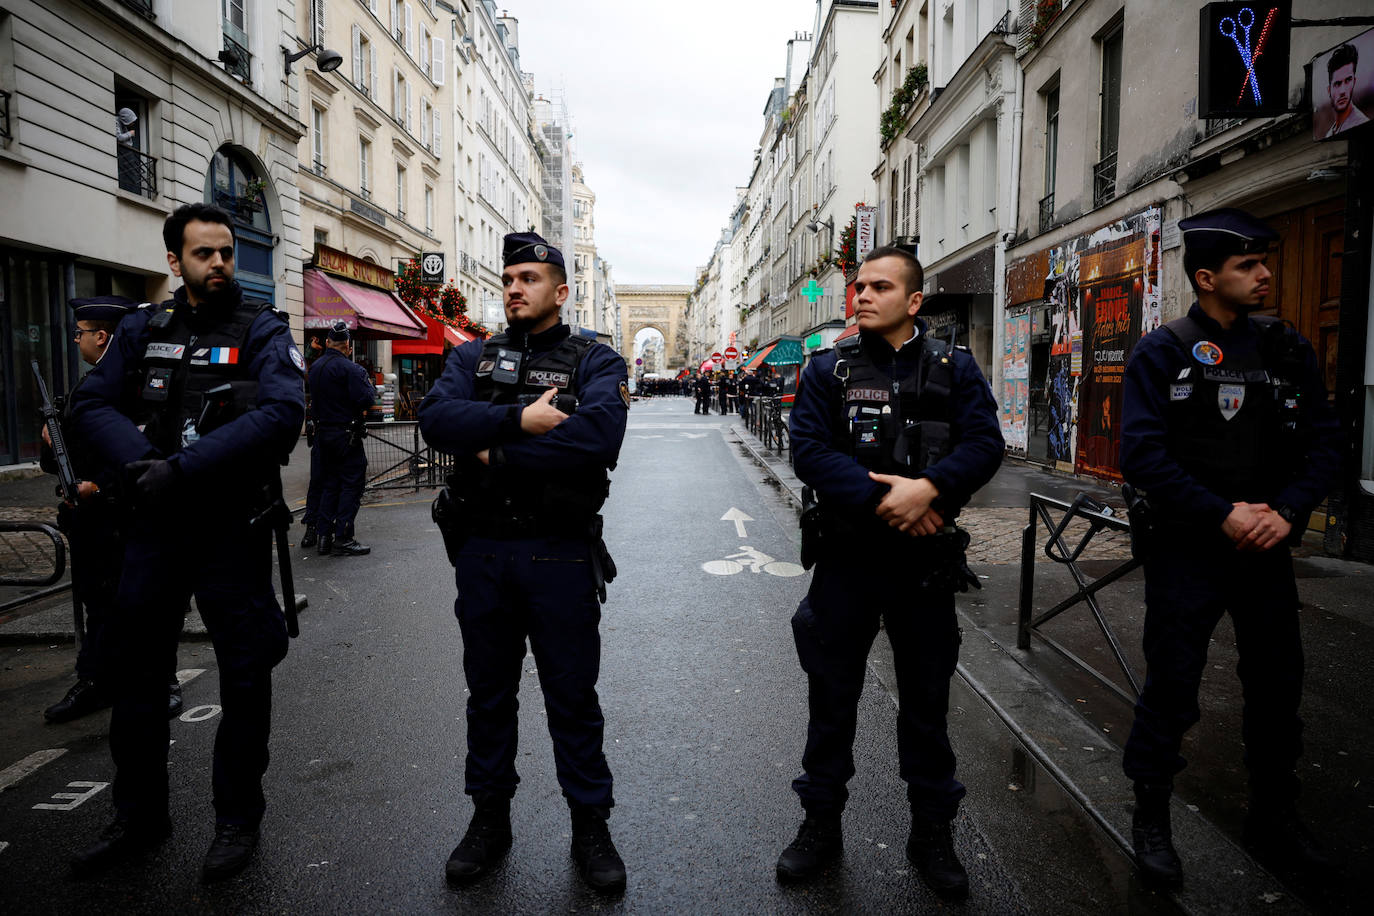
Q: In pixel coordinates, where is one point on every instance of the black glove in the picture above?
(154, 479)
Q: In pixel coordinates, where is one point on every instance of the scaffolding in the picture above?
(555, 155)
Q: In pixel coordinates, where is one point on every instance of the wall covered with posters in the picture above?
(1101, 293)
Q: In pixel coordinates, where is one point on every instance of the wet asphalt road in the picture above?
(705, 708)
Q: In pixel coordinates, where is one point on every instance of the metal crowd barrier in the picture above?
(398, 459)
(1099, 517)
(766, 423)
(13, 557)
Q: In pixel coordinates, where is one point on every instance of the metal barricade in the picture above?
(398, 459)
(23, 551)
(767, 424)
(1099, 517)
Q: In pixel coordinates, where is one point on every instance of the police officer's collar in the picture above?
(549, 337)
(232, 300)
(1242, 324)
(878, 341)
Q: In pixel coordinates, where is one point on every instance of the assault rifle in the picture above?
(67, 484)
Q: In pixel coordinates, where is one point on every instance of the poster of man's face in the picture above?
(1343, 87)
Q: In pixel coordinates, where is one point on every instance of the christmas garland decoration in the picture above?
(446, 305)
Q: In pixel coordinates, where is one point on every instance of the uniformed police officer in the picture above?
(1226, 429)
(92, 530)
(196, 402)
(894, 431)
(535, 417)
(340, 394)
(701, 386)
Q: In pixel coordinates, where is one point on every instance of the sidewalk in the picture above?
(1075, 727)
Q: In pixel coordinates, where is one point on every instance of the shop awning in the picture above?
(329, 299)
(759, 357)
(785, 352)
(848, 332)
(433, 344)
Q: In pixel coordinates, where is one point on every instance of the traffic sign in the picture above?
(731, 353)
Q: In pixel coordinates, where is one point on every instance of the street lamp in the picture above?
(326, 62)
(815, 225)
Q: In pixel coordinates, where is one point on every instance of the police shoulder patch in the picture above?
(297, 359)
(625, 392)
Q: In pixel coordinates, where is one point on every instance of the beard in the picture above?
(212, 295)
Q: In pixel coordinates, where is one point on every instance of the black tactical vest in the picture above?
(895, 425)
(187, 382)
(1232, 420)
(507, 374)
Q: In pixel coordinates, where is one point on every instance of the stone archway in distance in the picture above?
(660, 307)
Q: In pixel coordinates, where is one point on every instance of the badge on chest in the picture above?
(1230, 399)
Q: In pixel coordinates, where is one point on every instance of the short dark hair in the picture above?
(102, 325)
(174, 229)
(915, 274)
(559, 274)
(1345, 55)
(1212, 257)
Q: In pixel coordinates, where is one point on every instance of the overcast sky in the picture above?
(667, 108)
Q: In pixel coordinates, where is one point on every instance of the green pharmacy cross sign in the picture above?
(813, 291)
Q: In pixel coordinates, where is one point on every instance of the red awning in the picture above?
(759, 357)
(329, 299)
(433, 344)
(848, 332)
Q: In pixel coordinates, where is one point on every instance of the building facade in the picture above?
(213, 119)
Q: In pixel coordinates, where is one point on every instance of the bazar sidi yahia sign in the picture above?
(340, 264)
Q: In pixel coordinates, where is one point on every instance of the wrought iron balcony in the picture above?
(142, 7)
(1104, 180)
(319, 167)
(137, 171)
(5, 116)
(237, 60)
(1046, 211)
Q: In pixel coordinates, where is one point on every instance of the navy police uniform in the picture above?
(1213, 416)
(701, 386)
(340, 393)
(850, 408)
(216, 391)
(526, 542)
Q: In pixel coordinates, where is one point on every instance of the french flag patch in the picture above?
(224, 355)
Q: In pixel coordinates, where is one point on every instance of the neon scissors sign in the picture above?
(1232, 29)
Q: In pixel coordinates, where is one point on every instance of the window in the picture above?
(425, 120)
(317, 21)
(317, 145)
(908, 226)
(1104, 173)
(425, 44)
(400, 96)
(1051, 157)
(429, 209)
(137, 171)
(238, 61)
(364, 176)
(364, 65)
(893, 204)
(321, 236)
(400, 191)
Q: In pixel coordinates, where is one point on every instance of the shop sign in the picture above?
(1243, 59)
(432, 268)
(1342, 89)
(333, 261)
(865, 227)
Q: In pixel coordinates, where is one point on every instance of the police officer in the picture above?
(92, 529)
(1226, 430)
(196, 403)
(701, 385)
(340, 394)
(749, 387)
(535, 418)
(894, 431)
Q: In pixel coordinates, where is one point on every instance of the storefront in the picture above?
(958, 303)
(419, 363)
(340, 287)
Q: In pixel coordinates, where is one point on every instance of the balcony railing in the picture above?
(1046, 211)
(1104, 180)
(5, 115)
(238, 62)
(137, 171)
(319, 167)
(1215, 126)
(142, 7)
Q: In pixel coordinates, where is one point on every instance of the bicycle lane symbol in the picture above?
(755, 561)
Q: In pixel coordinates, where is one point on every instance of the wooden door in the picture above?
(1306, 262)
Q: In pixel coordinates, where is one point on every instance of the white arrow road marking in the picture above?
(694, 435)
(739, 518)
(30, 764)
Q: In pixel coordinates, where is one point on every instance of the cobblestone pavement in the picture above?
(996, 537)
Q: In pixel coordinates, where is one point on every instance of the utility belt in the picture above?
(939, 561)
(357, 429)
(460, 517)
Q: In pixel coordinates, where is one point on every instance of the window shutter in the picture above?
(395, 15)
(438, 121)
(372, 5)
(376, 93)
(410, 31)
(425, 44)
(319, 22)
(424, 121)
(397, 111)
(357, 56)
(410, 110)
(437, 62)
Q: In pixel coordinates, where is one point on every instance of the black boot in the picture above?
(486, 841)
(931, 849)
(819, 842)
(1276, 836)
(597, 860)
(326, 545)
(174, 701)
(85, 697)
(349, 547)
(229, 853)
(1152, 836)
(310, 538)
(121, 840)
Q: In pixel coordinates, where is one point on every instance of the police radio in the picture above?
(507, 368)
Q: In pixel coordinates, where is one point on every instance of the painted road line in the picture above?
(739, 518)
(11, 775)
(73, 800)
(188, 674)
